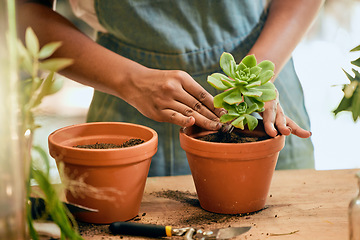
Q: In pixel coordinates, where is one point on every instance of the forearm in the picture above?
(287, 23)
(93, 65)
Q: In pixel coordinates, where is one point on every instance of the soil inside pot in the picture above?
(128, 143)
(233, 137)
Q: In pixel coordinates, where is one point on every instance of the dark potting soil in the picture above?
(233, 137)
(129, 143)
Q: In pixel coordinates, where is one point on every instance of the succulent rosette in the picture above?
(246, 88)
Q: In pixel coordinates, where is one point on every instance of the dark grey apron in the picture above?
(190, 35)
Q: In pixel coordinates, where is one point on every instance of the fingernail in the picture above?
(222, 113)
(290, 129)
(215, 125)
(310, 133)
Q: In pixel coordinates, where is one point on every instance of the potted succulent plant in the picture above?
(231, 177)
(105, 166)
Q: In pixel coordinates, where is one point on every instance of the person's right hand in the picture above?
(171, 96)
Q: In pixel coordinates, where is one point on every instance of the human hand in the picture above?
(172, 96)
(275, 121)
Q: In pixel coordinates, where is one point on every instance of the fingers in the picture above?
(276, 122)
(297, 130)
(199, 95)
(269, 117)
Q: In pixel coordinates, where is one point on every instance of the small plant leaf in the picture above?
(56, 64)
(227, 64)
(255, 70)
(266, 65)
(249, 61)
(351, 78)
(356, 105)
(239, 122)
(219, 99)
(265, 76)
(356, 62)
(251, 92)
(355, 49)
(49, 49)
(215, 81)
(344, 105)
(32, 42)
(234, 97)
(228, 117)
(252, 108)
(268, 92)
(251, 121)
(240, 67)
(25, 59)
(254, 84)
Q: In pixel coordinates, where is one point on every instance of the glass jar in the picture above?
(354, 214)
(12, 174)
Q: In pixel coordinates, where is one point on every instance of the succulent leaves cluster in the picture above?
(246, 88)
(351, 100)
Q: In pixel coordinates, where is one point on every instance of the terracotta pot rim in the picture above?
(51, 136)
(110, 156)
(229, 151)
(227, 144)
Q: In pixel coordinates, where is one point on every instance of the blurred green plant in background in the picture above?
(351, 100)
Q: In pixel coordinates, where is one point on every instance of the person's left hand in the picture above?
(276, 122)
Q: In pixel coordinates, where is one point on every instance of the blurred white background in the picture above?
(319, 60)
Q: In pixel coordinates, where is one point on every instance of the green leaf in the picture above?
(25, 59)
(344, 105)
(357, 75)
(49, 49)
(266, 65)
(32, 42)
(252, 108)
(219, 99)
(45, 87)
(249, 61)
(265, 76)
(239, 122)
(234, 97)
(251, 121)
(355, 107)
(355, 49)
(252, 92)
(356, 62)
(55, 64)
(255, 70)
(228, 83)
(268, 92)
(227, 64)
(240, 67)
(228, 117)
(253, 84)
(351, 78)
(215, 81)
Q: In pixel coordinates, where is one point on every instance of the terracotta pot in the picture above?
(231, 178)
(110, 180)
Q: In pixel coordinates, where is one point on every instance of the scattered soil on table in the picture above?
(233, 137)
(196, 215)
(129, 143)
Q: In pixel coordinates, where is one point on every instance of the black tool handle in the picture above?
(139, 229)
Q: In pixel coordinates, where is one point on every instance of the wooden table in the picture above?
(302, 204)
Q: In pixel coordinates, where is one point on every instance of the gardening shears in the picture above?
(157, 231)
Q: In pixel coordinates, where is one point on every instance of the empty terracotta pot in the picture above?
(231, 178)
(109, 180)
